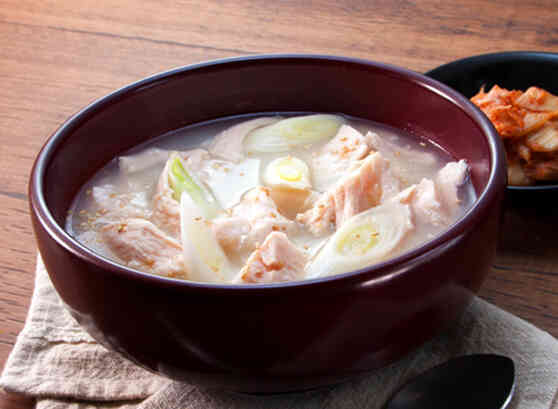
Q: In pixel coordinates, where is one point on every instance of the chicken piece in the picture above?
(276, 260)
(424, 202)
(407, 164)
(354, 193)
(449, 178)
(140, 162)
(406, 195)
(249, 222)
(230, 231)
(228, 144)
(142, 245)
(113, 206)
(348, 144)
(434, 202)
(338, 157)
(166, 209)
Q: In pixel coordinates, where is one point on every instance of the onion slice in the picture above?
(288, 133)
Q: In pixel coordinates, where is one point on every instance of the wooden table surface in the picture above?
(58, 56)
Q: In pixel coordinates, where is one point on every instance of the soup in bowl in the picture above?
(269, 223)
(269, 199)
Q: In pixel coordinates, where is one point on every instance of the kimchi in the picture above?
(528, 124)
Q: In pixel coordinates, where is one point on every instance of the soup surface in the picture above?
(262, 199)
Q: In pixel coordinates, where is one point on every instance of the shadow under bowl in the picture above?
(277, 337)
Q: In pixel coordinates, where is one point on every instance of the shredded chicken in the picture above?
(435, 201)
(142, 245)
(424, 202)
(246, 225)
(408, 164)
(339, 156)
(276, 260)
(351, 195)
(114, 206)
(448, 180)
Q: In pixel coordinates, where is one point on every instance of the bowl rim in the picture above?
(500, 57)
(377, 273)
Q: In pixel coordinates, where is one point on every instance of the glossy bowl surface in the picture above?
(276, 337)
(511, 70)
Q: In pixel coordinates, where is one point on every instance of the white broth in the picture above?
(261, 199)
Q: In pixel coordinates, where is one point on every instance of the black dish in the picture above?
(511, 70)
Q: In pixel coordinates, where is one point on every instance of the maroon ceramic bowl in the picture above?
(279, 337)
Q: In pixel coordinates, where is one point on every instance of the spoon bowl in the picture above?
(480, 381)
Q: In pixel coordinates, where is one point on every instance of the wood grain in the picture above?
(58, 56)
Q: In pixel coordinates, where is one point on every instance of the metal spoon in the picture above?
(482, 381)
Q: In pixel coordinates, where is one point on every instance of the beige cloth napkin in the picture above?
(55, 361)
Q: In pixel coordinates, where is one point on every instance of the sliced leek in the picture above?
(204, 258)
(366, 238)
(288, 133)
(180, 181)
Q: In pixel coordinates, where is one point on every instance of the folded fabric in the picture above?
(55, 361)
